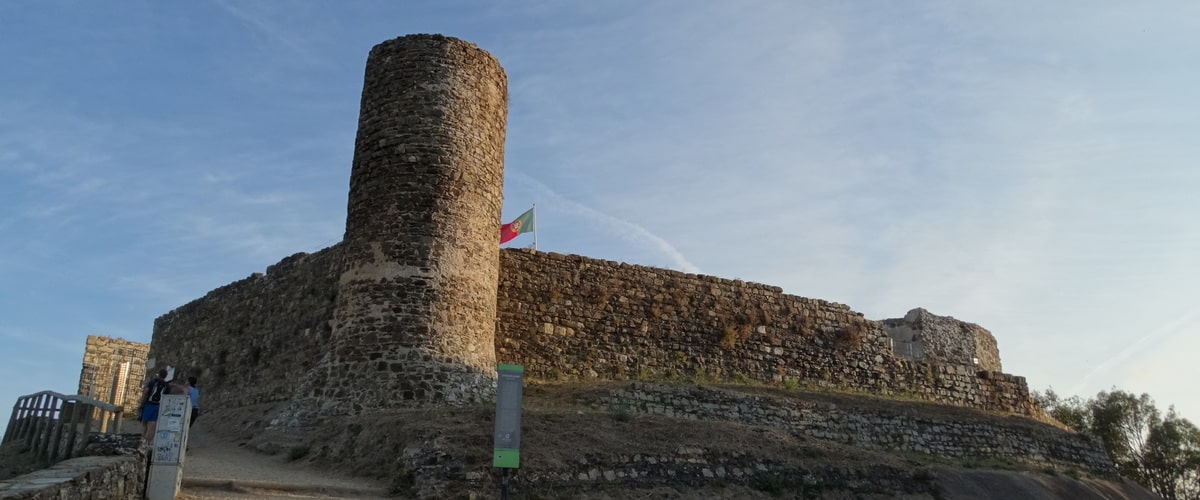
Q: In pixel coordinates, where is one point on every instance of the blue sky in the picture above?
(1023, 166)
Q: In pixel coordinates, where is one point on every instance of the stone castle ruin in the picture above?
(417, 304)
(113, 370)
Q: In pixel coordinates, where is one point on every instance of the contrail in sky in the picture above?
(622, 228)
(1172, 327)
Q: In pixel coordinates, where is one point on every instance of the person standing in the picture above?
(151, 397)
(194, 395)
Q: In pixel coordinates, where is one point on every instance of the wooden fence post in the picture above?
(35, 421)
(56, 446)
(87, 429)
(50, 409)
(76, 415)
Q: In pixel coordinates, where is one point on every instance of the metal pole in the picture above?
(535, 226)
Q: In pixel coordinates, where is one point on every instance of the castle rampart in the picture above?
(566, 316)
(926, 336)
(258, 339)
(417, 303)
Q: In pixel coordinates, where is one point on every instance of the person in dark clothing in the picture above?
(151, 397)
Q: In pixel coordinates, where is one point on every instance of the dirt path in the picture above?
(215, 469)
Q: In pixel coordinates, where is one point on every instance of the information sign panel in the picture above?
(506, 451)
(168, 448)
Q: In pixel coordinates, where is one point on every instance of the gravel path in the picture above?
(215, 469)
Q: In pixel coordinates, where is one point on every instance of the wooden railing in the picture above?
(56, 427)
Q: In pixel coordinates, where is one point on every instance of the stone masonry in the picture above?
(943, 339)
(262, 339)
(117, 478)
(258, 339)
(568, 316)
(416, 298)
(932, 433)
(113, 370)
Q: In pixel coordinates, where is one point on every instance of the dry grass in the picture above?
(850, 337)
(562, 425)
(730, 336)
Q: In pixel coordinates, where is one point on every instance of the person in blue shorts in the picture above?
(150, 399)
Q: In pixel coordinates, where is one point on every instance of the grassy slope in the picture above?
(562, 431)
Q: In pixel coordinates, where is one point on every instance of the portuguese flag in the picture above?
(522, 224)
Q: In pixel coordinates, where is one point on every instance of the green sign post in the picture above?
(507, 448)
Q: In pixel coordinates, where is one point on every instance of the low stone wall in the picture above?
(699, 468)
(1018, 440)
(109, 477)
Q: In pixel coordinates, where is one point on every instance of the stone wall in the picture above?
(416, 308)
(112, 477)
(943, 339)
(263, 339)
(255, 340)
(113, 370)
(575, 317)
(932, 433)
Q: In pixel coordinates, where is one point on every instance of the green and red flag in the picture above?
(522, 224)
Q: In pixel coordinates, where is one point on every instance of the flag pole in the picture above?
(534, 226)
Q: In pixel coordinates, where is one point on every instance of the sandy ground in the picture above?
(215, 469)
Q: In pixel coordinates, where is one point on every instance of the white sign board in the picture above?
(169, 447)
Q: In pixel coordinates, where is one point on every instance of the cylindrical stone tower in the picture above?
(416, 308)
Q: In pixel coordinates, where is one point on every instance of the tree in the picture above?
(1171, 460)
(1123, 422)
(1072, 412)
(1162, 453)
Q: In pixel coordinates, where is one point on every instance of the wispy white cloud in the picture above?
(16, 337)
(1140, 347)
(160, 286)
(617, 227)
(272, 31)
